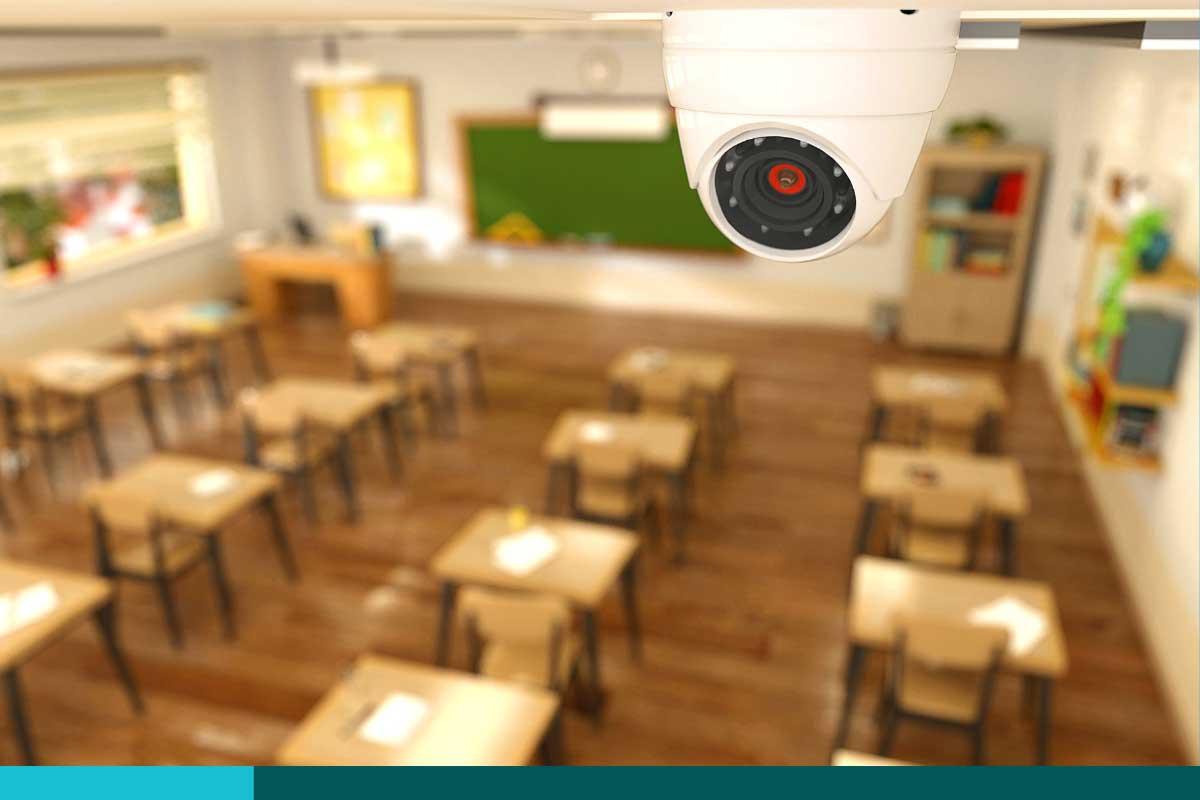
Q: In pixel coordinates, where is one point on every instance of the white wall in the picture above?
(502, 76)
(89, 309)
(1140, 111)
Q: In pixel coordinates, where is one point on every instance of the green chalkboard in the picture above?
(632, 194)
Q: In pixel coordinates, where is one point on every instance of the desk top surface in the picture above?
(665, 442)
(37, 603)
(707, 371)
(173, 481)
(83, 373)
(882, 588)
(889, 471)
(897, 386)
(586, 566)
(467, 720)
(332, 403)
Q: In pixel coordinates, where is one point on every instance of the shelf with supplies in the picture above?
(971, 249)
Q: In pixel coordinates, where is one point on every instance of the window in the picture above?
(99, 163)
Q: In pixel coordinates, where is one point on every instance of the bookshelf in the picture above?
(1101, 405)
(976, 209)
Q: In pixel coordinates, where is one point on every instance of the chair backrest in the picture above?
(535, 624)
(20, 391)
(123, 514)
(377, 357)
(609, 476)
(664, 391)
(951, 423)
(150, 330)
(950, 649)
(270, 415)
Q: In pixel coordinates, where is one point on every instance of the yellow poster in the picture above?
(367, 140)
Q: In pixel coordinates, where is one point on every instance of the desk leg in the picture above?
(391, 450)
(716, 430)
(20, 722)
(447, 397)
(877, 422)
(96, 433)
(345, 471)
(679, 510)
(1044, 712)
(629, 598)
(866, 526)
(591, 644)
(146, 403)
(270, 505)
(216, 372)
(1008, 545)
(445, 622)
(221, 585)
(258, 356)
(475, 376)
(854, 664)
(559, 492)
(106, 623)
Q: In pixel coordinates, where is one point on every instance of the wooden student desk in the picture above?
(69, 598)
(86, 375)
(912, 387)
(363, 286)
(215, 325)
(666, 446)
(592, 559)
(882, 589)
(891, 471)
(711, 376)
(469, 720)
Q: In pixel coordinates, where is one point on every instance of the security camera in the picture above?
(800, 127)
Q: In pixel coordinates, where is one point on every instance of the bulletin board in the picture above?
(367, 140)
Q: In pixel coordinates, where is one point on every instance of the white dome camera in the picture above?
(800, 126)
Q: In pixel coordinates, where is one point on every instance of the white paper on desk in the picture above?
(525, 551)
(213, 482)
(26, 606)
(597, 432)
(395, 720)
(932, 383)
(71, 365)
(649, 359)
(1025, 624)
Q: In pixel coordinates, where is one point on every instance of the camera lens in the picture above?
(783, 193)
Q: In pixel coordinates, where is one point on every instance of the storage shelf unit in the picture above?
(1095, 395)
(969, 264)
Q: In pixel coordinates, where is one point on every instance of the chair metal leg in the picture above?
(170, 613)
(96, 434)
(408, 427)
(445, 620)
(888, 734)
(49, 461)
(183, 408)
(270, 505)
(258, 356)
(106, 623)
(149, 416)
(591, 641)
(629, 598)
(387, 427)
(854, 664)
(553, 747)
(447, 399)
(977, 744)
(216, 373)
(1044, 712)
(16, 709)
(221, 585)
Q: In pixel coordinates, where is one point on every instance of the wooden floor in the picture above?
(744, 644)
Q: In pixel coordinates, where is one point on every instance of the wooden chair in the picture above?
(377, 361)
(524, 638)
(951, 423)
(278, 437)
(942, 672)
(132, 541)
(173, 359)
(33, 412)
(939, 527)
(610, 488)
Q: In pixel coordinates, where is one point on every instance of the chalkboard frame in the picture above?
(530, 120)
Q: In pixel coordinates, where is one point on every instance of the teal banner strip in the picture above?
(127, 783)
(726, 783)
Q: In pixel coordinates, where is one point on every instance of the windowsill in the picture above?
(117, 259)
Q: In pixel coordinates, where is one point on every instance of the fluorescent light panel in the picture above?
(611, 120)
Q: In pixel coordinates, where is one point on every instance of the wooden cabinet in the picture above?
(976, 212)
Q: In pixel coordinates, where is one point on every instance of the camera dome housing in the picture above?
(835, 102)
